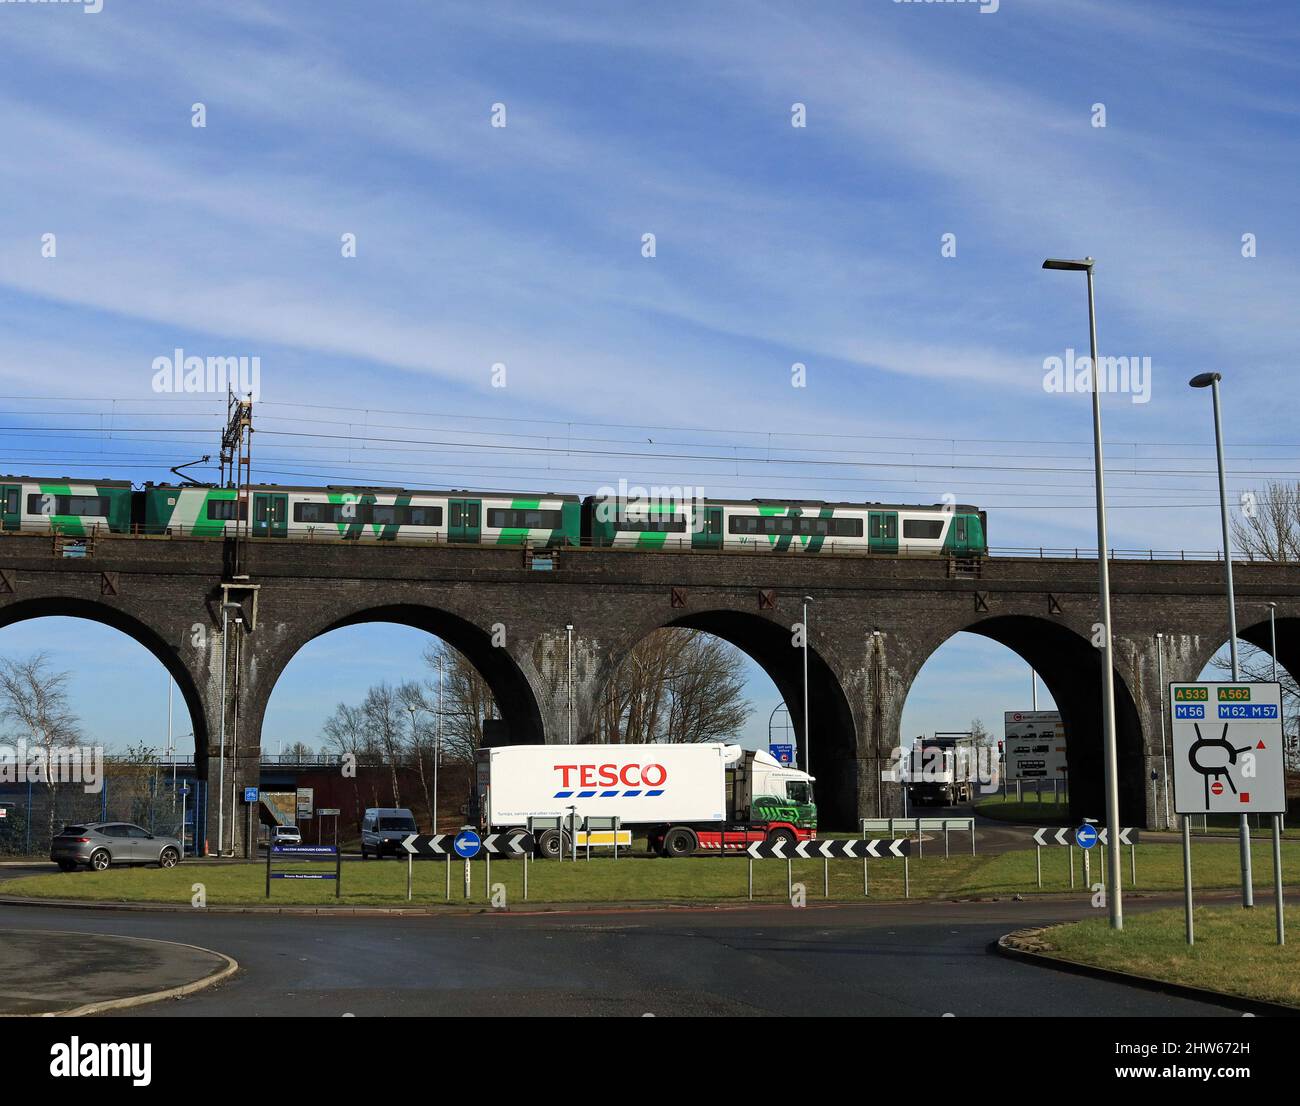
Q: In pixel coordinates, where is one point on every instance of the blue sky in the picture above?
(522, 245)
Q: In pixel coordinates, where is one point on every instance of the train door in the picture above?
(960, 536)
(882, 531)
(708, 533)
(464, 520)
(270, 514)
(11, 503)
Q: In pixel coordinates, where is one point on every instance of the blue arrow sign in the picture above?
(467, 844)
(1085, 836)
(783, 753)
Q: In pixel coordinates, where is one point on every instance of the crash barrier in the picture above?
(300, 854)
(828, 849)
(603, 833)
(920, 826)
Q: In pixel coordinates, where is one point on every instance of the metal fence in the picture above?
(34, 811)
(83, 541)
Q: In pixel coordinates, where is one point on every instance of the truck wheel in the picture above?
(550, 844)
(784, 835)
(679, 842)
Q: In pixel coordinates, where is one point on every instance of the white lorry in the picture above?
(706, 796)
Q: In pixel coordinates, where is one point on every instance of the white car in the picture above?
(286, 835)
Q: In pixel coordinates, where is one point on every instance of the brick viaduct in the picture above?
(875, 621)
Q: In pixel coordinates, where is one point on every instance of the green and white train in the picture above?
(541, 521)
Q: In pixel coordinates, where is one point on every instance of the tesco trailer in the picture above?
(706, 797)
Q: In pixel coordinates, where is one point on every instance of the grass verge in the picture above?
(642, 879)
(1235, 950)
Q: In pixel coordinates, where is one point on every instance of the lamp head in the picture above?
(1069, 265)
(1204, 380)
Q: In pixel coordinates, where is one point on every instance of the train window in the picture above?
(383, 515)
(11, 501)
(922, 528)
(653, 524)
(313, 512)
(875, 526)
(512, 519)
(43, 503)
(798, 524)
(961, 529)
(424, 516)
(225, 508)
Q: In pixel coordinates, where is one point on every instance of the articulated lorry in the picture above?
(685, 798)
(942, 770)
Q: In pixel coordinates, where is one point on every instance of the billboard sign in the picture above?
(1034, 745)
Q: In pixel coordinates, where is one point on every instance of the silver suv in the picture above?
(98, 845)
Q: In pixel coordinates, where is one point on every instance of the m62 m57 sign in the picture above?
(1227, 748)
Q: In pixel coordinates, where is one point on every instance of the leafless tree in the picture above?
(386, 721)
(423, 738)
(467, 700)
(1256, 664)
(345, 732)
(35, 699)
(675, 686)
(1267, 527)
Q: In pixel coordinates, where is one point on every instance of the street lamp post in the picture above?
(1211, 380)
(1110, 756)
(807, 737)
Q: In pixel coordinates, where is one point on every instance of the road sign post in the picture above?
(1228, 758)
(467, 845)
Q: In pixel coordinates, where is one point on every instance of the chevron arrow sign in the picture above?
(510, 843)
(761, 850)
(1128, 835)
(424, 844)
(1045, 835)
(853, 848)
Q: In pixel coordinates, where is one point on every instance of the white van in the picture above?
(383, 828)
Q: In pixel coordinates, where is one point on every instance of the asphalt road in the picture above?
(873, 959)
